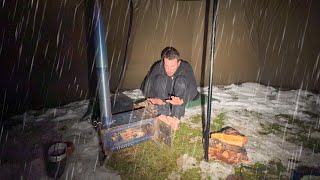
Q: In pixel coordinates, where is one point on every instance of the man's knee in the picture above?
(159, 81)
(180, 83)
(160, 86)
(178, 111)
(180, 86)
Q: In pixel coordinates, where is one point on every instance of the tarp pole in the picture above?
(207, 127)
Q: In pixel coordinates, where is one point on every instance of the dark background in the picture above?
(43, 45)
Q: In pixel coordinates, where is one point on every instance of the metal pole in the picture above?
(207, 127)
(101, 62)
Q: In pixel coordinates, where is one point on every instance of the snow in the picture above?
(186, 162)
(246, 106)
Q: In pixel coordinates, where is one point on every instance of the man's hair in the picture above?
(170, 53)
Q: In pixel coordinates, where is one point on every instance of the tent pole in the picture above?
(207, 127)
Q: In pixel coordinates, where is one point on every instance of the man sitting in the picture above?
(170, 84)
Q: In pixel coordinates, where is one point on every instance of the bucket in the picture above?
(57, 158)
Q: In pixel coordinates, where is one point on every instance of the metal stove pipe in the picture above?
(101, 65)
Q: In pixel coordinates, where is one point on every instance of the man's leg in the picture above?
(161, 87)
(179, 90)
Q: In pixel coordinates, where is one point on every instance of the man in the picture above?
(170, 84)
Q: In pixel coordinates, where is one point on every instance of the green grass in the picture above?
(291, 120)
(286, 116)
(269, 128)
(276, 128)
(217, 123)
(311, 143)
(156, 161)
(192, 174)
(271, 170)
(150, 160)
(299, 138)
(252, 113)
(196, 119)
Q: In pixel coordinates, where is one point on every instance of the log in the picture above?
(230, 136)
(215, 143)
(230, 154)
(228, 146)
(227, 156)
(230, 139)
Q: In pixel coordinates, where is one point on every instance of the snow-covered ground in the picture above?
(251, 108)
(249, 105)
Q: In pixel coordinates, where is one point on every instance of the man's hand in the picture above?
(175, 101)
(156, 101)
(171, 121)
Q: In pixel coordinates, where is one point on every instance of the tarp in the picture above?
(44, 46)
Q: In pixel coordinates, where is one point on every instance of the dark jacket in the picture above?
(184, 70)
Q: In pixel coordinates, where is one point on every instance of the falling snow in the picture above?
(246, 106)
(43, 53)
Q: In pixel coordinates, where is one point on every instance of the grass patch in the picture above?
(269, 128)
(156, 161)
(286, 116)
(217, 123)
(252, 113)
(150, 160)
(271, 170)
(196, 119)
(193, 173)
(301, 137)
(303, 125)
(291, 119)
(311, 143)
(311, 114)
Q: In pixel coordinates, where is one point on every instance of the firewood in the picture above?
(228, 146)
(227, 156)
(215, 143)
(230, 131)
(230, 139)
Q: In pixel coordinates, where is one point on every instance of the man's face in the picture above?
(171, 66)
